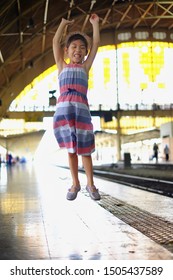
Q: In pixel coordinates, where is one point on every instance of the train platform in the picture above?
(38, 223)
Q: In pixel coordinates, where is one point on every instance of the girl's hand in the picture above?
(94, 18)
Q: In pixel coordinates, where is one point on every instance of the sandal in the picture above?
(71, 195)
(93, 192)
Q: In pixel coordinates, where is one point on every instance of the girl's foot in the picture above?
(72, 193)
(93, 192)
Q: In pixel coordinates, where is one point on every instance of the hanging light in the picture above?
(30, 65)
(30, 23)
(52, 99)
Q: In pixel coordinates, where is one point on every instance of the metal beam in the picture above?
(164, 13)
(44, 26)
(123, 16)
(143, 15)
(88, 15)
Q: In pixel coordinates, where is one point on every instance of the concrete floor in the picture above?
(37, 222)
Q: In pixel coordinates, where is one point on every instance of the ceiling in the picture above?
(27, 29)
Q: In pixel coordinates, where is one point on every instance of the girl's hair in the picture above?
(76, 36)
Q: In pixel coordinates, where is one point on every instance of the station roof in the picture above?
(27, 29)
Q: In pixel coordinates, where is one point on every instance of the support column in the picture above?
(118, 110)
(118, 136)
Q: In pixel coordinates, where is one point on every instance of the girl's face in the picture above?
(76, 51)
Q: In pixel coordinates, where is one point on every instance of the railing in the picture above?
(99, 107)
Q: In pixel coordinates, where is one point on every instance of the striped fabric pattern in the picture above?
(73, 128)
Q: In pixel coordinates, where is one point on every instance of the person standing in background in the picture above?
(166, 152)
(155, 151)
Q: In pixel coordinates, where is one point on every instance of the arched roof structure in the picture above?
(27, 29)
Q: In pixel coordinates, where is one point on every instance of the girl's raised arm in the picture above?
(57, 47)
(94, 20)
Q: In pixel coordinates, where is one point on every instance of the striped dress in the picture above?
(72, 120)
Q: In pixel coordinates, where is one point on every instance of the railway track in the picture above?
(159, 186)
(159, 182)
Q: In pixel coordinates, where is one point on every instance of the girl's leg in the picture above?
(88, 166)
(73, 164)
